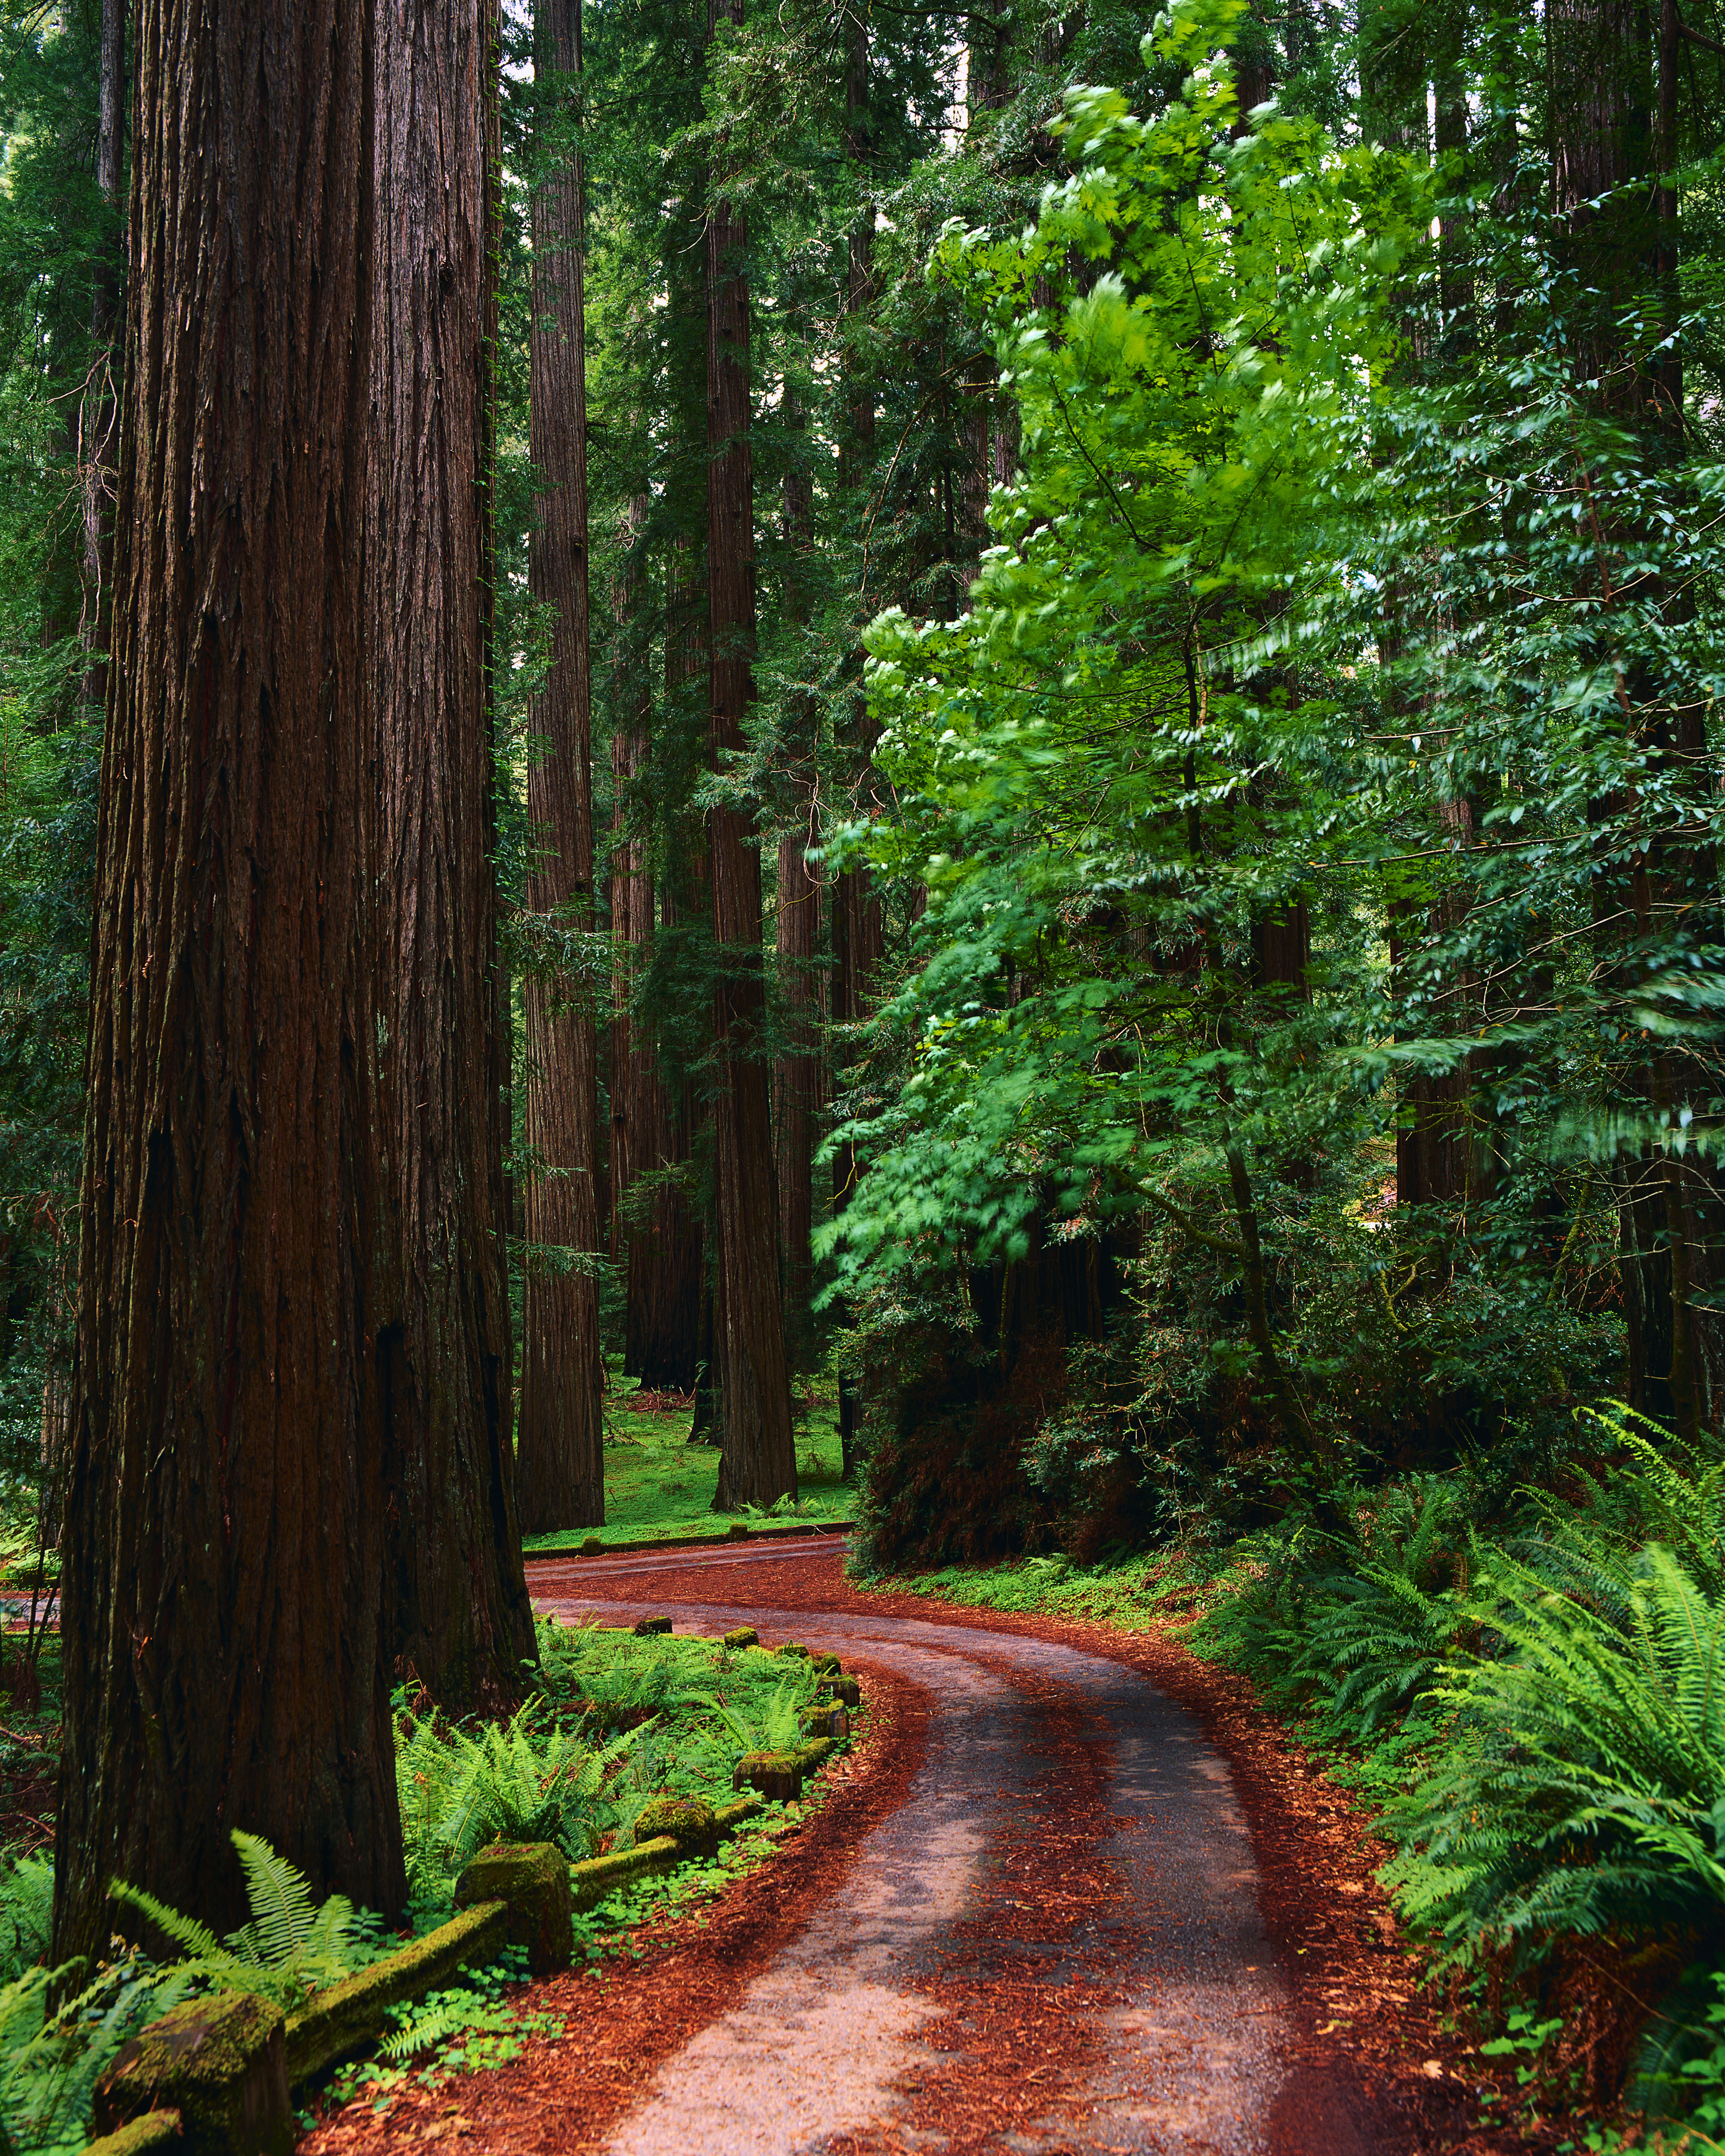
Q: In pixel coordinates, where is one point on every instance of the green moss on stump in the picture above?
(845, 1688)
(778, 1775)
(824, 1665)
(728, 1818)
(648, 1626)
(791, 1652)
(352, 2014)
(689, 1821)
(736, 1532)
(831, 1720)
(591, 1546)
(532, 1879)
(156, 2129)
(221, 2063)
(745, 1635)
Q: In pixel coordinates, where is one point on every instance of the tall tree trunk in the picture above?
(462, 1622)
(226, 1535)
(759, 1462)
(797, 1086)
(664, 1346)
(561, 1460)
(858, 931)
(98, 410)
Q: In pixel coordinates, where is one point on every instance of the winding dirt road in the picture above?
(1034, 1915)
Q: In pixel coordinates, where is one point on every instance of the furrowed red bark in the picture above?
(758, 1463)
(560, 1461)
(225, 1540)
(461, 1622)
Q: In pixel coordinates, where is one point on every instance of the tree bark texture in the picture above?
(99, 413)
(797, 1076)
(759, 1464)
(225, 1541)
(562, 1460)
(461, 1621)
(663, 1341)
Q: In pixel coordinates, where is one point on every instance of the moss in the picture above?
(846, 1689)
(350, 2014)
(791, 1652)
(156, 2129)
(532, 1878)
(650, 1625)
(778, 1775)
(220, 2062)
(736, 1532)
(745, 1635)
(689, 1821)
(591, 1546)
(591, 1882)
(729, 1817)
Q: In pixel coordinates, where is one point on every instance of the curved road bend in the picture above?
(1171, 2040)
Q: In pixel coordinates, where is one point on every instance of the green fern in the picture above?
(50, 2063)
(26, 1913)
(775, 1724)
(1584, 1788)
(289, 1948)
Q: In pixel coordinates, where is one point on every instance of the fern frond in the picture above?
(281, 1904)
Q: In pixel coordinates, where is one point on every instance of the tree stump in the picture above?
(777, 1776)
(688, 1821)
(532, 1878)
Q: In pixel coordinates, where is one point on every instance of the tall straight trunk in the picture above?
(561, 1462)
(633, 1076)
(796, 1087)
(226, 1530)
(98, 413)
(462, 1622)
(1610, 122)
(858, 929)
(664, 1343)
(759, 1463)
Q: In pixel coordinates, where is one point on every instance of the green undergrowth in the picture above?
(658, 1486)
(1530, 1697)
(613, 1720)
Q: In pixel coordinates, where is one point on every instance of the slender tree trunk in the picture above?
(633, 1079)
(226, 1537)
(797, 1086)
(462, 1622)
(561, 1460)
(759, 1463)
(98, 411)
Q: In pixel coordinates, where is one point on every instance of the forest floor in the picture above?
(660, 1486)
(1074, 1890)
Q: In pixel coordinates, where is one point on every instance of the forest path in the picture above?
(1053, 1944)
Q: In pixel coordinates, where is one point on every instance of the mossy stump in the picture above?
(690, 1822)
(648, 1626)
(221, 2063)
(745, 1635)
(824, 1665)
(532, 1879)
(777, 1775)
(833, 1720)
(792, 1652)
(591, 1546)
(736, 1532)
(845, 1688)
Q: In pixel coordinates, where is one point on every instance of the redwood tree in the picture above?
(224, 1544)
(561, 1460)
(759, 1462)
(460, 1618)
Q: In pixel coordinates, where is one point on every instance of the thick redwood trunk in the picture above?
(561, 1463)
(462, 1623)
(225, 1541)
(759, 1462)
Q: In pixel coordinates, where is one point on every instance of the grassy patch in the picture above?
(658, 1485)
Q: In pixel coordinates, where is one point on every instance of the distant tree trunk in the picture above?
(462, 1622)
(858, 931)
(759, 1462)
(634, 1078)
(561, 1461)
(797, 1079)
(98, 410)
(226, 1537)
(665, 1258)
